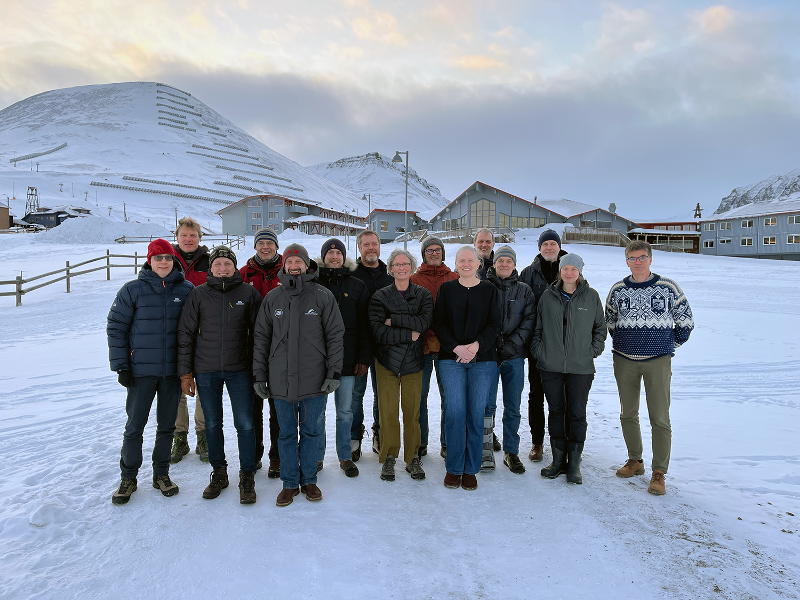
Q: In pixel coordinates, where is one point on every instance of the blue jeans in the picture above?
(359, 389)
(343, 397)
(431, 362)
(465, 388)
(299, 462)
(240, 390)
(512, 373)
(140, 399)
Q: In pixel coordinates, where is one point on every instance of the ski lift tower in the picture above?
(32, 202)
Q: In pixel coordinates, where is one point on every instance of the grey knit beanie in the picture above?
(296, 250)
(266, 234)
(506, 251)
(430, 241)
(221, 252)
(571, 259)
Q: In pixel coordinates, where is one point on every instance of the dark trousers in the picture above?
(535, 404)
(258, 425)
(567, 396)
(137, 406)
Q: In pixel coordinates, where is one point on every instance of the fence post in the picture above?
(108, 265)
(68, 277)
(135, 262)
(19, 290)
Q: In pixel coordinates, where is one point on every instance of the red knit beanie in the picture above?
(158, 247)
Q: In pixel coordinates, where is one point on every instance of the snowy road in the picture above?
(726, 529)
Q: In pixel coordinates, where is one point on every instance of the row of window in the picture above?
(748, 223)
(676, 228)
(274, 227)
(256, 203)
(272, 215)
(748, 241)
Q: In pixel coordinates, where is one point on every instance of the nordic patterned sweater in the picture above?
(648, 319)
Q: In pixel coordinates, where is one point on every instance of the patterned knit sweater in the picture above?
(648, 319)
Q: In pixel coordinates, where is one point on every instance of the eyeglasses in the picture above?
(433, 251)
(401, 265)
(162, 257)
(635, 259)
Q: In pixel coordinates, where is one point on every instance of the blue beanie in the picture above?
(266, 234)
(547, 235)
(333, 243)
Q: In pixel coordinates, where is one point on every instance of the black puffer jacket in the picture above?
(215, 332)
(485, 265)
(394, 348)
(517, 305)
(533, 276)
(373, 279)
(143, 323)
(352, 297)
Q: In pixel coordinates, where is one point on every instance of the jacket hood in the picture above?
(492, 276)
(348, 267)
(147, 274)
(295, 283)
(557, 287)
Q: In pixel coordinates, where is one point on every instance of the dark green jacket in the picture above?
(569, 335)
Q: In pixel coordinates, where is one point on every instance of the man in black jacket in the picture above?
(215, 341)
(538, 275)
(517, 304)
(352, 298)
(483, 240)
(372, 271)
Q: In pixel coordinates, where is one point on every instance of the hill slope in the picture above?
(771, 189)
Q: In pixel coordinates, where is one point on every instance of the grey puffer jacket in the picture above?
(569, 334)
(518, 307)
(299, 337)
(215, 331)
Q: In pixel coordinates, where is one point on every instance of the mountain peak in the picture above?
(774, 188)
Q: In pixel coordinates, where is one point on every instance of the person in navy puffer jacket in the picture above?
(143, 348)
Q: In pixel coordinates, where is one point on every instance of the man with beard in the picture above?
(261, 272)
(372, 271)
(194, 260)
(538, 275)
(484, 244)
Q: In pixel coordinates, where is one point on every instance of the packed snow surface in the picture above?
(729, 526)
(93, 229)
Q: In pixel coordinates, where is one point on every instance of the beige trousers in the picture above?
(182, 421)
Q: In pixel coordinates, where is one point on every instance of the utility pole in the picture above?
(176, 218)
(124, 212)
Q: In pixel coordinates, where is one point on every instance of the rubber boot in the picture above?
(559, 464)
(487, 456)
(574, 451)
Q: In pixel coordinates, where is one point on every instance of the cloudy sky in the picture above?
(652, 105)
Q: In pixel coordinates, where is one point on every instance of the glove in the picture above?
(261, 389)
(508, 350)
(329, 386)
(360, 370)
(187, 384)
(125, 378)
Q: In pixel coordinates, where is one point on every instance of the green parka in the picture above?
(569, 334)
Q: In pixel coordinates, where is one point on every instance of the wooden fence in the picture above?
(592, 235)
(233, 242)
(502, 235)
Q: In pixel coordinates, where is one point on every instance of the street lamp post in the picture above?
(405, 213)
(368, 198)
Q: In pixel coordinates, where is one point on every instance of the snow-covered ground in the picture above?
(729, 526)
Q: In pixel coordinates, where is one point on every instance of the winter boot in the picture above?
(537, 453)
(164, 484)
(657, 484)
(487, 459)
(513, 462)
(630, 468)
(559, 464)
(387, 472)
(202, 447)
(349, 467)
(219, 481)
(415, 468)
(574, 466)
(247, 488)
(495, 442)
(274, 468)
(126, 487)
(180, 447)
(355, 446)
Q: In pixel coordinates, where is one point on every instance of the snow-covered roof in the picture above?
(316, 219)
(566, 208)
(664, 232)
(684, 218)
(757, 209)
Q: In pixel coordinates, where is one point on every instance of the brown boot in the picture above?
(247, 488)
(286, 496)
(219, 481)
(630, 468)
(452, 481)
(274, 468)
(537, 453)
(311, 491)
(657, 485)
(469, 482)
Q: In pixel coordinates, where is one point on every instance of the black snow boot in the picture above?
(559, 464)
(180, 447)
(574, 468)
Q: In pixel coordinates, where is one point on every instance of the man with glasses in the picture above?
(648, 317)
(431, 274)
(143, 350)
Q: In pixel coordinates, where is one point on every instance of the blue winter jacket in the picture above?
(143, 324)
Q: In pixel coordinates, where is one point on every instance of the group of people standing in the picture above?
(292, 330)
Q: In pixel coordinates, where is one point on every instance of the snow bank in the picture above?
(94, 229)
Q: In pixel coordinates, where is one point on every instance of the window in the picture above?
(725, 240)
(793, 239)
(673, 227)
(482, 213)
(690, 227)
(725, 225)
(661, 227)
(254, 202)
(747, 223)
(708, 226)
(400, 229)
(585, 223)
(519, 222)
(505, 220)
(770, 221)
(384, 225)
(255, 215)
(794, 220)
(536, 222)
(747, 241)
(274, 227)
(708, 244)
(273, 215)
(769, 241)
(255, 227)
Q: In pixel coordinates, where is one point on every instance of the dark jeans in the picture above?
(137, 406)
(431, 363)
(258, 426)
(359, 389)
(299, 461)
(535, 404)
(240, 391)
(567, 395)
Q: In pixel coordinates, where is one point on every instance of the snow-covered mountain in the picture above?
(153, 147)
(771, 189)
(384, 180)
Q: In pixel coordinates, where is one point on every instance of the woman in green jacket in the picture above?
(570, 333)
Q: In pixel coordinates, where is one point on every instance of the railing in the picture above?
(466, 235)
(19, 291)
(231, 241)
(592, 235)
(411, 235)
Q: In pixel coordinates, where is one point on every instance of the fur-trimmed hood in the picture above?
(349, 264)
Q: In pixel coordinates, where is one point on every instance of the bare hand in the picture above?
(388, 322)
(360, 370)
(464, 354)
(414, 336)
